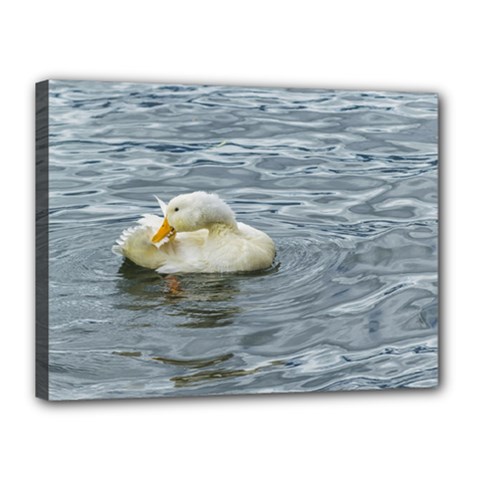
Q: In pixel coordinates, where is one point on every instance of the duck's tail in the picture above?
(136, 244)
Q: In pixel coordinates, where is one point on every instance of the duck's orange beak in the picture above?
(164, 231)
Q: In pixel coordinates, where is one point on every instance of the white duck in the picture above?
(197, 234)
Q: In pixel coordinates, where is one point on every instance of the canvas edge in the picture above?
(41, 240)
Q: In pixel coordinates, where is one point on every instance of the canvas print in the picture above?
(201, 240)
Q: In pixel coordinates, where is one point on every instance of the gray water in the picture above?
(345, 182)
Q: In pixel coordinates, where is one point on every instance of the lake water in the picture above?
(345, 182)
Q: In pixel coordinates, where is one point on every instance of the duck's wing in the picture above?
(187, 253)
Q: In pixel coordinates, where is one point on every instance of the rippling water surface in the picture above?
(345, 182)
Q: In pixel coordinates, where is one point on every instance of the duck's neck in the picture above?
(220, 229)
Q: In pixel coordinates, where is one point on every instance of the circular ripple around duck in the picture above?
(82, 254)
(303, 269)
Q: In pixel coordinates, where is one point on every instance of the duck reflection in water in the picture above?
(200, 300)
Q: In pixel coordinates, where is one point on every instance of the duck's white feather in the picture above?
(163, 206)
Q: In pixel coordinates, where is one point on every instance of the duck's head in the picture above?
(194, 211)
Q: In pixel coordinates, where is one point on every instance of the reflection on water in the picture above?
(196, 363)
(345, 183)
(204, 300)
(185, 380)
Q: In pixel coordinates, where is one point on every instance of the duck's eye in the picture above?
(176, 209)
